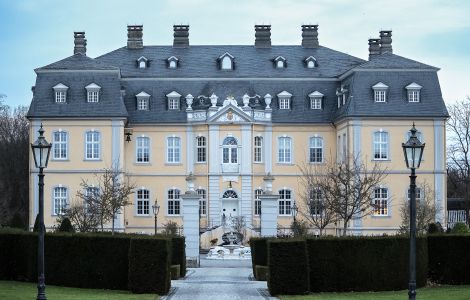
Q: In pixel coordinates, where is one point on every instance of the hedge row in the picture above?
(449, 261)
(178, 253)
(91, 260)
(287, 267)
(259, 252)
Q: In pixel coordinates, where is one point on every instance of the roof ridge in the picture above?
(77, 60)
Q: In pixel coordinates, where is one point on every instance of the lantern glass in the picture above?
(413, 150)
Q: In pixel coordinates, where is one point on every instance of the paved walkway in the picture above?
(218, 280)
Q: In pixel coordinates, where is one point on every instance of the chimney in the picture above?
(181, 36)
(310, 36)
(263, 36)
(134, 37)
(386, 41)
(80, 42)
(374, 48)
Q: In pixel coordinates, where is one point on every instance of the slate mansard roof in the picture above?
(254, 73)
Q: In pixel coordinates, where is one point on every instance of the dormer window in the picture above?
(172, 62)
(280, 62)
(284, 100)
(93, 92)
(413, 92)
(310, 62)
(226, 61)
(315, 100)
(173, 101)
(60, 92)
(142, 101)
(380, 92)
(142, 62)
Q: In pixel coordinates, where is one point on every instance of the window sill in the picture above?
(173, 164)
(142, 164)
(381, 160)
(173, 216)
(92, 159)
(317, 162)
(285, 216)
(258, 162)
(201, 162)
(60, 159)
(381, 216)
(143, 216)
(285, 163)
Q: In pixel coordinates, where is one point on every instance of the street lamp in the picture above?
(156, 209)
(413, 150)
(41, 150)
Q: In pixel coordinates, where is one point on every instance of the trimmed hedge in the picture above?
(449, 261)
(363, 263)
(178, 253)
(18, 255)
(259, 252)
(287, 267)
(149, 265)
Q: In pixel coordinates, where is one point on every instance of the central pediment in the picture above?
(230, 114)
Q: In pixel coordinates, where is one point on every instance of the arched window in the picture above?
(230, 194)
(202, 202)
(311, 64)
(230, 150)
(280, 64)
(59, 145)
(174, 204)
(142, 64)
(172, 64)
(285, 202)
(60, 200)
(143, 202)
(380, 202)
(258, 192)
(226, 63)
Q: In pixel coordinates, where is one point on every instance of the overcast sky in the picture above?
(35, 33)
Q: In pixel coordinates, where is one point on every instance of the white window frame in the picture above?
(284, 150)
(94, 145)
(60, 145)
(172, 64)
(59, 200)
(173, 100)
(381, 202)
(93, 96)
(201, 149)
(230, 151)
(257, 202)
(380, 92)
(315, 201)
(258, 149)
(142, 64)
(60, 93)
(316, 144)
(173, 202)
(142, 202)
(285, 202)
(311, 64)
(381, 145)
(284, 103)
(414, 92)
(143, 101)
(173, 150)
(315, 103)
(280, 64)
(202, 201)
(142, 149)
(226, 63)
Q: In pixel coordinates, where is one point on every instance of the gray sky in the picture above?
(38, 32)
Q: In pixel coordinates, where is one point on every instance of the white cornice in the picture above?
(228, 79)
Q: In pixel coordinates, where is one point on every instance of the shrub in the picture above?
(170, 228)
(435, 228)
(18, 258)
(449, 262)
(261, 272)
(460, 228)
(299, 228)
(17, 221)
(259, 252)
(363, 263)
(178, 253)
(287, 267)
(65, 225)
(149, 265)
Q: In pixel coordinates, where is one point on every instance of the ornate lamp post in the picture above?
(156, 209)
(41, 150)
(413, 150)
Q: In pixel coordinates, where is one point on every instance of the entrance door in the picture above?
(229, 206)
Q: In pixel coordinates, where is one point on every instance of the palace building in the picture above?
(229, 115)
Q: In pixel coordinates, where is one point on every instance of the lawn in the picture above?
(457, 292)
(14, 290)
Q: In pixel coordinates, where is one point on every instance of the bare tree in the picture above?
(425, 210)
(458, 159)
(315, 208)
(348, 188)
(108, 197)
(82, 216)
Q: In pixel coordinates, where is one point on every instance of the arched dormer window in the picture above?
(310, 62)
(226, 61)
(172, 62)
(280, 62)
(142, 62)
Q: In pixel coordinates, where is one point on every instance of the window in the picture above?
(174, 202)
(258, 192)
(60, 92)
(93, 92)
(380, 92)
(143, 202)
(280, 64)
(284, 100)
(315, 103)
(380, 202)
(91, 196)
(316, 150)
(202, 201)
(142, 62)
(59, 145)
(284, 151)
(230, 194)
(310, 65)
(230, 151)
(92, 145)
(60, 200)
(315, 202)
(142, 101)
(172, 62)
(173, 150)
(173, 100)
(226, 63)
(285, 202)
(258, 149)
(380, 145)
(413, 92)
(310, 62)
(419, 194)
(201, 149)
(143, 149)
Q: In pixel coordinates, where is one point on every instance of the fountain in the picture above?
(232, 250)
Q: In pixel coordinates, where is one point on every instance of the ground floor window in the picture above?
(258, 192)
(202, 202)
(174, 202)
(285, 202)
